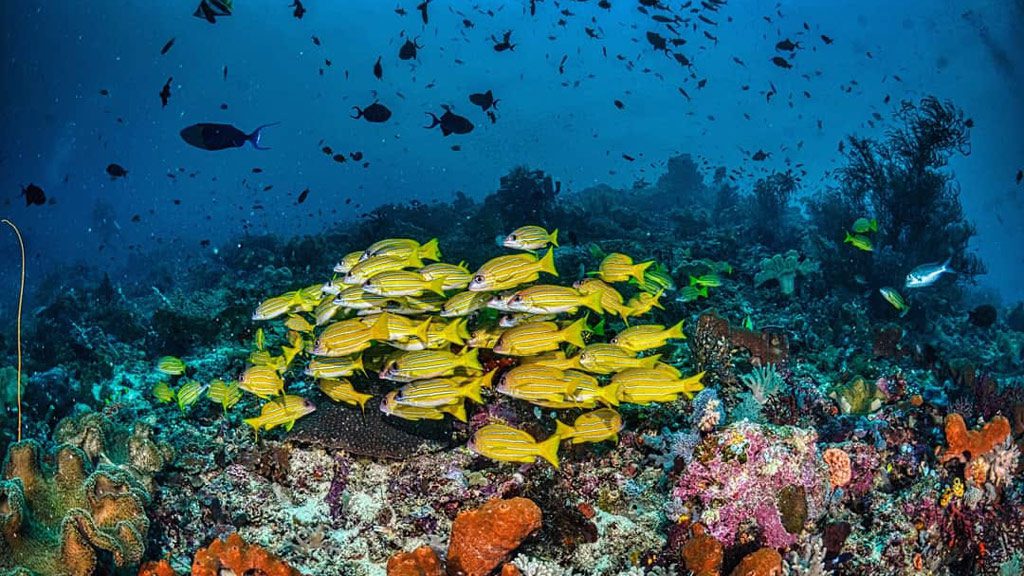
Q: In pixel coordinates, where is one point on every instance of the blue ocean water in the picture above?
(60, 132)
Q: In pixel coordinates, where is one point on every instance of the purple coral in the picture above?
(739, 474)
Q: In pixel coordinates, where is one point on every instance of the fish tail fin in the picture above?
(255, 423)
(470, 359)
(435, 121)
(548, 449)
(945, 265)
(693, 384)
(848, 239)
(676, 331)
(873, 225)
(430, 251)
(553, 237)
(702, 291)
(472, 389)
(693, 280)
(609, 394)
(254, 137)
(650, 361)
(436, 286)
(357, 364)
(379, 330)
(593, 301)
(457, 410)
(564, 430)
(573, 333)
(421, 331)
(487, 380)
(359, 113)
(638, 270)
(657, 297)
(453, 332)
(547, 263)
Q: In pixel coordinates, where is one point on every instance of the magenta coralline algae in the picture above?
(738, 473)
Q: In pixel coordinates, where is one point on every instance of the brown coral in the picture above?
(965, 445)
(235, 556)
(763, 562)
(420, 562)
(702, 553)
(483, 538)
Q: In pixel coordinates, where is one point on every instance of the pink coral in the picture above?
(838, 461)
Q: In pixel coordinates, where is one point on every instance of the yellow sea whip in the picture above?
(21, 297)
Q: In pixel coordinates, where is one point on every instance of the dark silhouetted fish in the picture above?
(657, 41)
(375, 113)
(167, 47)
(209, 10)
(450, 123)
(212, 136)
(165, 92)
(378, 69)
(116, 171)
(408, 50)
(300, 10)
(787, 45)
(484, 100)
(781, 62)
(505, 43)
(302, 196)
(34, 195)
(422, 7)
(826, 39)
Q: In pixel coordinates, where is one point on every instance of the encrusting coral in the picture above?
(420, 562)
(231, 555)
(484, 537)
(973, 443)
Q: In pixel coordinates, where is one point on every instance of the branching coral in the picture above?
(784, 268)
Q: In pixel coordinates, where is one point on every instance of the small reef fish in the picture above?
(437, 392)
(505, 272)
(298, 323)
(163, 393)
(390, 406)
(711, 280)
(374, 113)
(281, 412)
(334, 367)
(533, 382)
(400, 327)
(859, 241)
(454, 277)
(513, 319)
(596, 426)
(927, 274)
(530, 238)
(656, 279)
(260, 339)
(209, 10)
(646, 385)
(692, 293)
(293, 301)
(611, 300)
(404, 248)
(421, 364)
(341, 390)
(349, 337)
(536, 337)
(552, 299)
(507, 444)
(485, 337)
(450, 123)
(355, 298)
(464, 304)
(348, 261)
(394, 283)
(609, 358)
(171, 366)
(863, 225)
(646, 337)
(554, 359)
(213, 136)
(189, 393)
(896, 299)
(643, 302)
(262, 381)
(227, 394)
(374, 265)
(617, 267)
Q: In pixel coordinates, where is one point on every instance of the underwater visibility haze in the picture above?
(537, 288)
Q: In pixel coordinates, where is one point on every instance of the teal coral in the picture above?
(784, 268)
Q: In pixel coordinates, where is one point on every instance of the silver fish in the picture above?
(927, 274)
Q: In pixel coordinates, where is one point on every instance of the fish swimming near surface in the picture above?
(450, 123)
(375, 113)
(213, 136)
(927, 274)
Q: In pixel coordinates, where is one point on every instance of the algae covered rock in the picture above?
(784, 268)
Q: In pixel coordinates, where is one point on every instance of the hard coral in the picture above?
(483, 538)
(57, 523)
(236, 556)
(420, 562)
(965, 445)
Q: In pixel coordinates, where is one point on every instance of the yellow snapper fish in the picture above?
(656, 278)
(347, 262)
(439, 335)
(437, 392)
(374, 265)
(536, 337)
(609, 358)
(589, 392)
(611, 300)
(485, 337)
(189, 393)
(893, 297)
(262, 381)
(278, 306)
(281, 412)
(171, 366)
(554, 359)
(298, 323)
(227, 394)
(422, 364)
(404, 248)
(646, 337)
(506, 272)
(464, 304)
(163, 393)
(596, 426)
(646, 385)
(863, 225)
(454, 277)
(390, 406)
(859, 241)
(643, 302)
(507, 444)
(530, 238)
(355, 298)
(618, 267)
(260, 339)
(399, 327)
(325, 312)
(427, 303)
(341, 390)
(534, 382)
(710, 280)
(349, 337)
(511, 320)
(394, 283)
(551, 299)
(334, 367)
(501, 302)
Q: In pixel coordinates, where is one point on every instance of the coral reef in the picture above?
(484, 537)
(784, 269)
(965, 445)
(420, 562)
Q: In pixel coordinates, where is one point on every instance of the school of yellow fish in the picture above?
(423, 324)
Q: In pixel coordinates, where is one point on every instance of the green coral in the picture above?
(784, 268)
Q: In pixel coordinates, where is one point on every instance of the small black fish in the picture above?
(760, 156)
(375, 113)
(136, 218)
(618, 104)
(604, 4)
(300, 10)
(408, 50)
(450, 123)
(422, 7)
(225, 71)
(683, 60)
(1020, 176)
(378, 69)
(485, 100)
(223, 106)
(505, 43)
(826, 39)
(657, 41)
(302, 196)
(167, 46)
(339, 158)
(212, 136)
(316, 40)
(711, 37)
(787, 45)
(355, 156)
(467, 23)
(104, 92)
(781, 62)
(209, 10)
(116, 171)
(969, 123)
(34, 195)
(628, 158)
(561, 65)
(165, 92)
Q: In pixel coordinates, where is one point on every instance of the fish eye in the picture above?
(512, 237)
(479, 278)
(516, 298)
